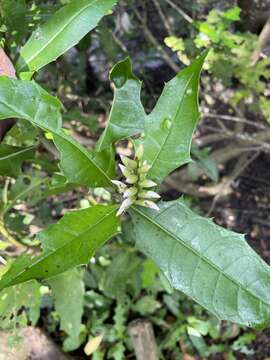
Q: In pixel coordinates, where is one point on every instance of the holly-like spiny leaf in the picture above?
(62, 31)
(67, 244)
(214, 266)
(170, 126)
(27, 100)
(127, 114)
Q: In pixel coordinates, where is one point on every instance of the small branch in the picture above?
(154, 41)
(240, 166)
(143, 339)
(182, 182)
(35, 344)
(262, 42)
(49, 147)
(235, 119)
(120, 43)
(163, 18)
(180, 11)
(7, 236)
(258, 138)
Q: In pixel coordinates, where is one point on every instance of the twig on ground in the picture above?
(180, 11)
(235, 119)
(240, 166)
(163, 18)
(154, 41)
(143, 339)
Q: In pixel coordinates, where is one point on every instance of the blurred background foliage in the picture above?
(120, 285)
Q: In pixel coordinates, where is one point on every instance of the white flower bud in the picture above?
(148, 204)
(132, 179)
(129, 163)
(125, 205)
(144, 168)
(147, 183)
(139, 152)
(125, 171)
(121, 186)
(130, 192)
(148, 195)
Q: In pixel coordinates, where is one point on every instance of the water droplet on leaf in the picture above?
(166, 124)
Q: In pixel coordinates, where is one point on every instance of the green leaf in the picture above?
(170, 126)
(118, 274)
(119, 320)
(12, 157)
(127, 115)
(26, 296)
(83, 167)
(27, 100)
(198, 341)
(61, 32)
(146, 305)
(117, 351)
(68, 293)
(67, 244)
(214, 266)
(14, 14)
(27, 188)
(204, 162)
(232, 14)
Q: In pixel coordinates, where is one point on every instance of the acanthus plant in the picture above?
(135, 188)
(212, 265)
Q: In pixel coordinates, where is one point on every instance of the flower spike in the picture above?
(134, 188)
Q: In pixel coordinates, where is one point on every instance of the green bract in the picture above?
(136, 185)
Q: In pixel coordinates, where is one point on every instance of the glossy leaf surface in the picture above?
(214, 266)
(27, 100)
(67, 244)
(61, 32)
(170, 126)
(127, 115)
(81, 166)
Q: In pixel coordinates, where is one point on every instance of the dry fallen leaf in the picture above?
(6, 67)
(92, 345)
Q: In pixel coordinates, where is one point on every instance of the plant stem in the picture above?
(6, 235)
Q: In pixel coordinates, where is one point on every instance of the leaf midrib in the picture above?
(201, 256)
(22, 193)
(41, 259)
(19, 152)
(22, 115)
(57, 34)
(173, 123)
(84, 152)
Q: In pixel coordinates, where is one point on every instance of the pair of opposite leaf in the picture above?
(135, 187)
